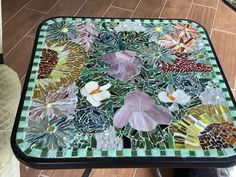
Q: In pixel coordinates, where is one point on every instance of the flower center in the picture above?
(157, 54)
(171, 97)
(64, 29)
(51, 128)
(158, 28)
(48, 105)
(200, 55)
(95, 91)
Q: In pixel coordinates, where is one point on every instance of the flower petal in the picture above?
(92, 101)
(121, 71)
(110, 58)
(142, 122)
(90, 86)
(139, 100)
(174, 107)
(164, 98)
(122, 116)
(181, 97)
(101, 95)
(125, 55)
(105, 87)
(84, 92)
(160, 114)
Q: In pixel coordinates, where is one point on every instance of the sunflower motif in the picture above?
(61, 30)
(48, 62)
(68, 62)
(206, 127)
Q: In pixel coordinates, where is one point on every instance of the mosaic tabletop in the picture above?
(122, 92)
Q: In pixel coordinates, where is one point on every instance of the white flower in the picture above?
(94, 93)
(212, 96)
(130, 26)
(174, 96)
(108, 140)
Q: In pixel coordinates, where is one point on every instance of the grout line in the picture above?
(40, 173)
(213, 24)
(80, 7)
(22, 77)
(29, 29)
(34, 10)
(135, 8)
(53, 6)
(16, 13)
(204, 5)
(189, 9)
(19, 41)
(28, 35)
(163, 8)
(223, 31)
(108, 8)
(122, 8)
(135, 171)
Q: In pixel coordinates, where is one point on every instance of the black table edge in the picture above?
(230, 5)
(110, 162)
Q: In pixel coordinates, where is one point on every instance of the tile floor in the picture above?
(21, 18)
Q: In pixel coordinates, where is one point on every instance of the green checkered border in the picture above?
(45, 153)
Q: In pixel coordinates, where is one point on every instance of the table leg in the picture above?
(87, 172)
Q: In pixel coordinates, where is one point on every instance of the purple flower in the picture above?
(124, 64)
(141, 113)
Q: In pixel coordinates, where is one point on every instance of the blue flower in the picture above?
(91, 120)
(189, 82)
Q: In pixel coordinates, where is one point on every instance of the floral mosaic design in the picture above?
(128, 84)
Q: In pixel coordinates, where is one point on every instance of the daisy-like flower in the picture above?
(60, 30)
(212, 96)
(61, 103)
(124, 64)
(108, 140)
(177, 43)
(175, 97)
(156, 52)
(204, 127)
(91, 120)
(130, 26)
(50, 133)
(140, 111)
(157, 31)
(95, 93)
(187, 31)
(87, 33)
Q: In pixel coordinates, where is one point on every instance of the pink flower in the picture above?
(124, 64)
(141, 113)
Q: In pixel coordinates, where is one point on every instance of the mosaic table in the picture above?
(124, 93)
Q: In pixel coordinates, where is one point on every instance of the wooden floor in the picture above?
(21, 18)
